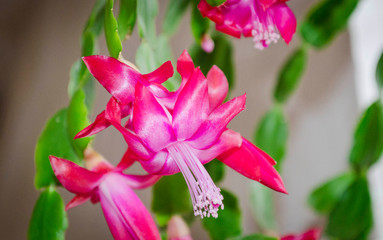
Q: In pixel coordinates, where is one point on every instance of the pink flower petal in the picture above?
(284, 20)
(113, 115)
(142, 181)
(228, 140)
(127, 160)
(150, 121)
(117, 78)
(77, 200)
(100, 123)
(211, 12)
(97, 126)
(74, 178)
(312, 234)
(251, 162)
(124, 212)
(191, 107)
(161, 74)
(185, 65)
(229, 30)
(218, 87)
(212, 128)
(267, 3)
(155, 164)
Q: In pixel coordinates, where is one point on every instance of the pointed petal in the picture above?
(161, 74)
(185, 65)
(285, 20)
(218, 87)
(74, 178)
(97, 126)
(150, 122)
(126, 219)
(100, 123)
(113, 115)
(191, 107)
(228, 140)
(127, 160)
(117, 78)
(142, 181)
(216, 123)
(77, 200)
(251, 162)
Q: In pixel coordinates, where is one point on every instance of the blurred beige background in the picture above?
(40, 40)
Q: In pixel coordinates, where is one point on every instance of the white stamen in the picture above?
(206, 196)
(264, 33)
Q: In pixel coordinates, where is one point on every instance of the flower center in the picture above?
(264, 32)
(206, 196)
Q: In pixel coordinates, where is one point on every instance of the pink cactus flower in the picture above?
(312, 234)
(191, 133)
(259, 19)
(124, 212)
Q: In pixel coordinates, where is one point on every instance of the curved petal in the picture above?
(113, 115)
(228, 140)
(155, 164)
(213, 127)
(251, 162)
(161, 74)
(284, 20)
(117, 78)
(142, 181)
(127, 219)
(218, 87)
(150, 122)
(161, 164)
(77, 200)
(127, 160)
(191, 107)
(74, 178)
(99, 124)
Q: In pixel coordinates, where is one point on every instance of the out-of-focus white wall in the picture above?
(321, 114)
(367, 47)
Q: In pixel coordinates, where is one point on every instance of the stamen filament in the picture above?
(206, 196)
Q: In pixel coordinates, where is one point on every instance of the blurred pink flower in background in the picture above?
(259, 19)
